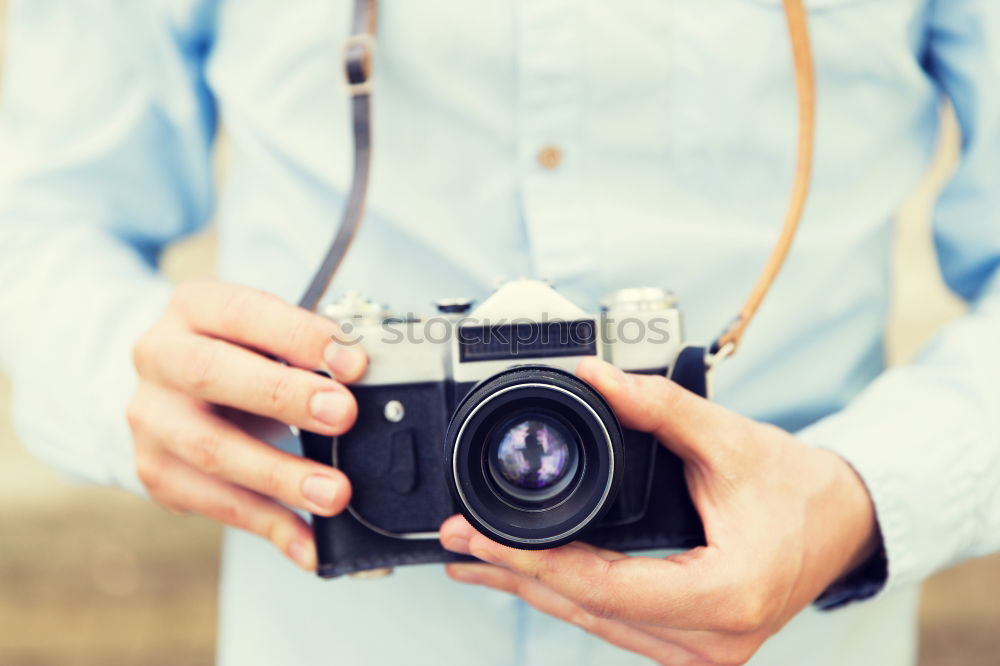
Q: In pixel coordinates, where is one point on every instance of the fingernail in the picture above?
(344, 362)
(456, 543)
(302, 554)
(465, 573)
(320, 490)
(329, 407)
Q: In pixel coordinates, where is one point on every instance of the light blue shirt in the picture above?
(676, 125)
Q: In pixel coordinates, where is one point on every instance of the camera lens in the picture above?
(535, 456)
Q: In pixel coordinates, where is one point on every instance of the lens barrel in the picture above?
(535, 456)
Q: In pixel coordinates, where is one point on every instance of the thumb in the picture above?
(689, 425)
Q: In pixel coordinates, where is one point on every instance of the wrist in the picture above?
(867, 539)
(846, 523)
(854, 557)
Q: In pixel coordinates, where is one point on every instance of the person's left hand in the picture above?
(782, 522)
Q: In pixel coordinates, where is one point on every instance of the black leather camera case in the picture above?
(346, 545)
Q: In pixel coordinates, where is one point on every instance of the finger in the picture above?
(183, 488)
(263, 321)
(219, 449)
(456, 531)
(552, 603)
(688, 593)
(693, 427)
(666, 645)
(224, 374)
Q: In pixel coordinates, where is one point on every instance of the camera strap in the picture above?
(805, 85)
(359, 52)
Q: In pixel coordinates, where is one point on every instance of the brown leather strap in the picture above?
(359, 51)
(805, 83)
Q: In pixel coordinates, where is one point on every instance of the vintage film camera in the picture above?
(479, 412)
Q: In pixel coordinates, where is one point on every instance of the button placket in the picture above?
(550, 72)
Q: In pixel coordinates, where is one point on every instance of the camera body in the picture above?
(478, 412)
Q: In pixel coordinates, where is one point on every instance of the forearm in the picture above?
(77, 299)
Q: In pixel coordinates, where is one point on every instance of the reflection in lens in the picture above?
(534, 454)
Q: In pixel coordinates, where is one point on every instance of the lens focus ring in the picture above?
(535, 456)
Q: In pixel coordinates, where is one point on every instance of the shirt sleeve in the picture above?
(926, 437)
(105, 134)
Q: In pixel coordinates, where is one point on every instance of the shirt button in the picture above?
(550, 157)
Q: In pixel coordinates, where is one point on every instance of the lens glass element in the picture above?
(533, 453)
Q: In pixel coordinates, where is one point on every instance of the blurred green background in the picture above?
(95, 577)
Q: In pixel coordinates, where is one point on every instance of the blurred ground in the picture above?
(95, 577)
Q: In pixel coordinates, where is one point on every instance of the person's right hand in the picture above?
(205, 359)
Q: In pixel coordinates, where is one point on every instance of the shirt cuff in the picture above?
(129, 320)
